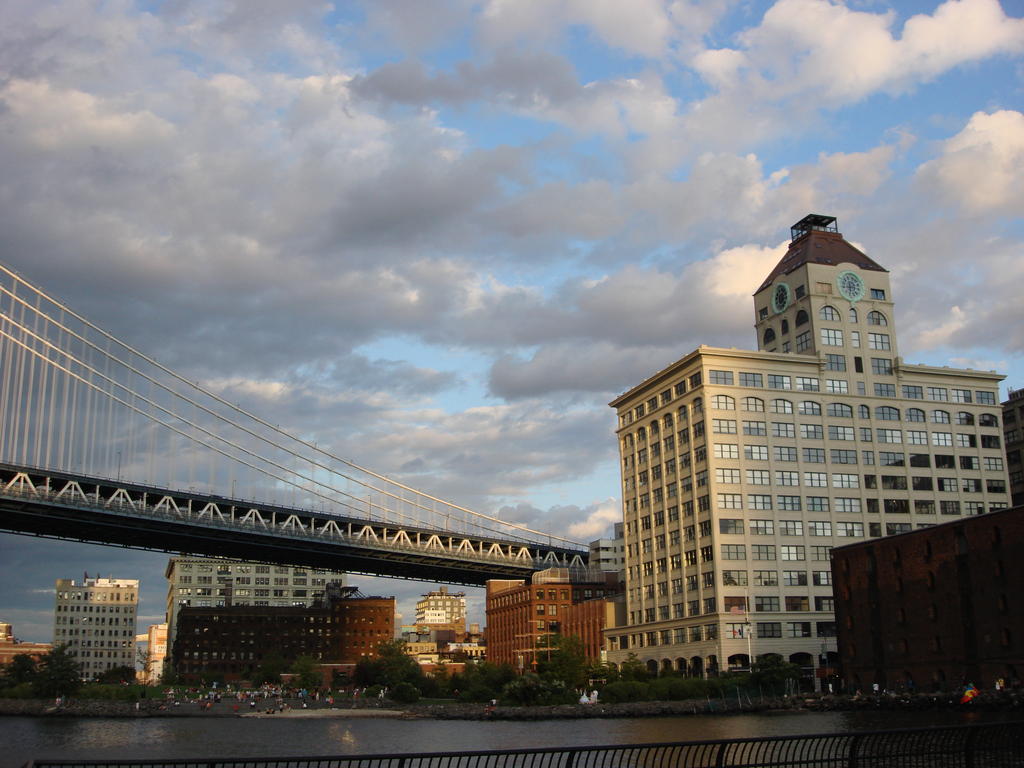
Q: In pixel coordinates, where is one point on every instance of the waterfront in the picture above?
(26, 738)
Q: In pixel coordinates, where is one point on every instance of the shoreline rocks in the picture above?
(1004, 700)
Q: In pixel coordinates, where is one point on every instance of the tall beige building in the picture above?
(96, 620)
(442, 609)
(212, 583)
(741, 470)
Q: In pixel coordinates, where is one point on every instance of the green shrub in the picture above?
(20, 691)
(531, 690)
(625, 690)
(405, 693)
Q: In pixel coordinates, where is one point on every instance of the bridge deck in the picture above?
(99, 510)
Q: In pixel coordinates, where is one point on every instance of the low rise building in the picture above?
(934, 608)
(232, 642)
(201, 582)
(11, 646)
(523, 619)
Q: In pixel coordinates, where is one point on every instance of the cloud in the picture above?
(980, 169)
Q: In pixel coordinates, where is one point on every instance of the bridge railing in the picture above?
(994, 745)
(514, 552)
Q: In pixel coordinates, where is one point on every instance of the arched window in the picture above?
(940, 417)
(655, 427)
(801, 317)
(782, 406)
(887, 413)
(863, 411)
(683, 416)
(963, 417)
(915, 414)
(698, 406)
(723, 402)
(769, 335)
(641, 435)
(876, 318)
(853, 314)
(828, 313)
(842, 410)
(810, 408)
(785, 327)
(988, 420)
(753, 404)
(667, 421)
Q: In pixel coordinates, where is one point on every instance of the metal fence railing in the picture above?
(994, 745)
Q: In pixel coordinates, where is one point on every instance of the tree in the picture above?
(632, 669)
(307, 672)
(59, 674)
(22, 669)
(772, 671)
(123, 674)
(567, 662)
(391, 667)
(270, 669)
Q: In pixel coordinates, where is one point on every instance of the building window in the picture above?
(882, 366)
(831, 337)
(879, 341)
(751, 380)
(755, 428)
(803, 341)
(754, 404)
(720, 377)
(778, 382)
(734, 552)
(782, 429)
(766, 604)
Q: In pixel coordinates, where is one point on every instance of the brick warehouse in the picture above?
(935, 608)
(232, 642)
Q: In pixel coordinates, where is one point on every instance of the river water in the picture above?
(26, 738)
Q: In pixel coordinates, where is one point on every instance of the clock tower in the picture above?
(826, 298)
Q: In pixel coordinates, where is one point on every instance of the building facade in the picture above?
(742, 469)
(441, 609)
(933, 609)
(96, 620)
(11, 646)
(155, 640)
(523, 619)
(231, 642)
(1013, 424)
(210, 583)
(608, 555)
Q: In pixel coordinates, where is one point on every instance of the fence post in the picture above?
(720, 758)
(972, 736)
(854, 744)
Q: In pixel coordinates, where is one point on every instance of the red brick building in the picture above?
(523, 618)
(232, 642)
(934, 608)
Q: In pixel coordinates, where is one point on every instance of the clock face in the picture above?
(780, 298)
(851, 286)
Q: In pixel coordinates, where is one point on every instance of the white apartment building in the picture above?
(205, 582)
(442, 608)
(742, 469)
(96, 620)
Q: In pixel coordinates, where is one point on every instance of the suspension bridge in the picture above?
(101, 443)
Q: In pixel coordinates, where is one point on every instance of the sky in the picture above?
(439, 236)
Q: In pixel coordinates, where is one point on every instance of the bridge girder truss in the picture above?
(66, 506)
